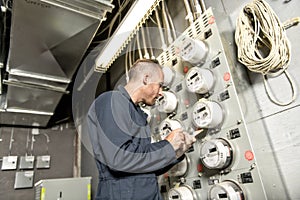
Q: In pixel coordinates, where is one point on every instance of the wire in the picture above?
(263, 46)
(48, 140)
(198, 9)
(113, 20)
(152, 56)
(189, 15)
(139, 45)
(171, 23)
(166, 22)
(146, 53)
(162, 37)
(11, 140)
(291, 22)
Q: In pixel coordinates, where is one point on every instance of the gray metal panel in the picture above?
(35, 99)
(48, 39)
(24, 179)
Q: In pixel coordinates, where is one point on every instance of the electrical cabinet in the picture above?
(63, 189)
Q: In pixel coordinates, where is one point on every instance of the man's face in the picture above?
(153, 90)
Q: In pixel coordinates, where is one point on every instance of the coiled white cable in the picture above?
(263, 46)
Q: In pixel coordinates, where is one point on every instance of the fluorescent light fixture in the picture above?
(134, 19)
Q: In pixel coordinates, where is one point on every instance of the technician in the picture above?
(127, 161)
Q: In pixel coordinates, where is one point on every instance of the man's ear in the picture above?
(146, 79)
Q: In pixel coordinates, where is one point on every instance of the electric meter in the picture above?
(207, 114)
(216, 154)
(183, 192)
(168, 75)
(199, 80)
(226, 190)
(193, 51)
(167, 126)
(167, 103)
(180, 169)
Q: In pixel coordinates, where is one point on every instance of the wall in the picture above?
(61, 150)
(272, 128)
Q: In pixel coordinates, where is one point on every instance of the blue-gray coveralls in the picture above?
(127, 161)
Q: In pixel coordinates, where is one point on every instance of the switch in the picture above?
(197, 184)
(224, 95)
(234, 133)
(174, 62)
(178, 87)
(215, 62)
(184, 116)
(246, 177)
(207, 34)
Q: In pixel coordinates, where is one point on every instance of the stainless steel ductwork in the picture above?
(48, 39)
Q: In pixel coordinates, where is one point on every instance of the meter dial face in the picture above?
(167, 126)
(226, 190)
(169, 75)
(181, 193)
(167, 103)
(207, 114)
(193, 51)
(216, 154)
(199, 80)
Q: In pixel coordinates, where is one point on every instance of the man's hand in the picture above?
(181, 141)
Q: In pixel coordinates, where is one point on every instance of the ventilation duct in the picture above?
(48, 40)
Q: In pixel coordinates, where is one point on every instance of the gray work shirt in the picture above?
(127, 161)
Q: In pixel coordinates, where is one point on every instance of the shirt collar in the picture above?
(124, 92)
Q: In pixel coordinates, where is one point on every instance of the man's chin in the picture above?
(150, 103)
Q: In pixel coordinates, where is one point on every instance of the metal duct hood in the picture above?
(48, 39)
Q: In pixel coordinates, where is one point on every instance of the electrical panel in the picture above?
(63, 188)
(201, 95)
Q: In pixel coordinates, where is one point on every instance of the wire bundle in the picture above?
(262, 44)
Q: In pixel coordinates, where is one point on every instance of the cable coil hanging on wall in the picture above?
(262, 44)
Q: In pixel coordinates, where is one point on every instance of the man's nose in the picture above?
(160, 93)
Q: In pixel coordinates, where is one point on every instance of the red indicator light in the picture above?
(249, 155)
(211, 20)
(200, 167)
(226, 76)
(185, 69)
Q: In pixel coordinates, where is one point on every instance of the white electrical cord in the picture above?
(263, 46)
(139, 45)
(152, 56)
(162, 37)
(146, 53)
(171, 23)
(189, 15)
(166, 22)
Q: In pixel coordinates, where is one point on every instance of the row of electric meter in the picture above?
(224, 190)
(201, 95)
(214, 154)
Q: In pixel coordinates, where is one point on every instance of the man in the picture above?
(127, 161)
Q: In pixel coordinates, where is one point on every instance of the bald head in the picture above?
(145, 82)
(144, 67)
